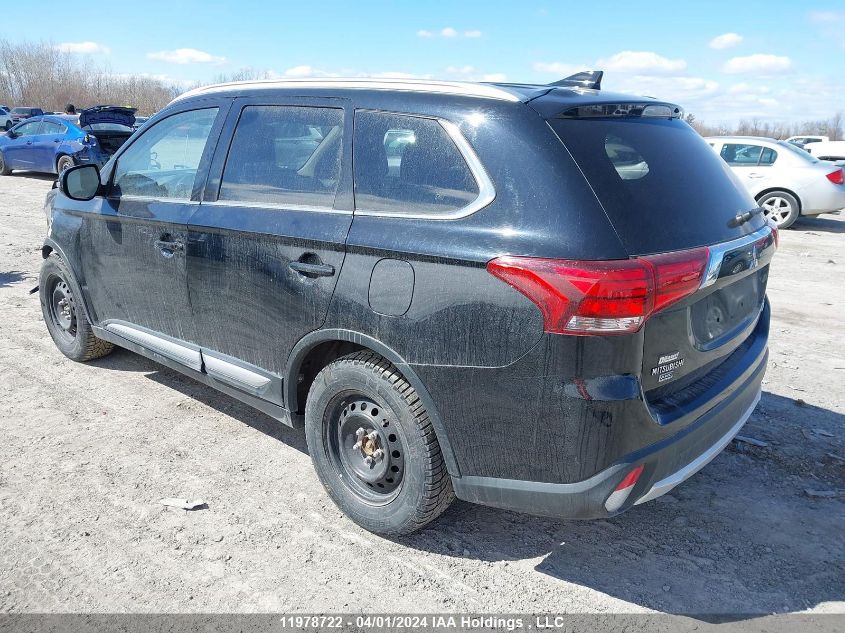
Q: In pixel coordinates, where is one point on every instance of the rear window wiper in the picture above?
(743, 217)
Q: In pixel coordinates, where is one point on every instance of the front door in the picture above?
(134, 259)
(266, 244)
(18, 154)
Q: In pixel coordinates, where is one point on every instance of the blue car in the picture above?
(53, 143)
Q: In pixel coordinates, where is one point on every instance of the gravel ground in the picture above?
(88, 451)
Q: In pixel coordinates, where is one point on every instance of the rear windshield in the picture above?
(662, 186)
(807, 156)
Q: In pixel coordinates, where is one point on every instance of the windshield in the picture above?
(798, 152)
(660, 183)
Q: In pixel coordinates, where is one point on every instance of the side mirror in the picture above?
(12, 134)
(81, 182)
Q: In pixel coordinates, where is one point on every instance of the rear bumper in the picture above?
(666, 464)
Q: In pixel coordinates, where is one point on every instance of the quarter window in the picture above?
(163, 161)
(284, 155)
(408, 165)
(768, 157)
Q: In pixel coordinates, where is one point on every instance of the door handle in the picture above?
(312, 270)
(169, 249)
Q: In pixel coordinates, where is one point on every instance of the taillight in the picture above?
(602, 297)
(837, 177)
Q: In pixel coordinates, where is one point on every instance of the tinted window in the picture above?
(660, 184)
(410, 165)
(740, 154)
(163, 161)
(768, 156)
(52, 128)
(28, 129)
(284, 155)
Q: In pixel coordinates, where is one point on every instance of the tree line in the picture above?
(831, 127)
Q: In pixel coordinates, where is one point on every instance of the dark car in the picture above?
(526, 296)
(52, 143)
(22, 113)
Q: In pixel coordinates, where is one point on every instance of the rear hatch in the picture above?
(111, 125)
(664, 190)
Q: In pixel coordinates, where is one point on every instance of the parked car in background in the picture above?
(139, 121)
(5, 118)
(827, 150)
(806, 140)
(23, 113)
(52, 143)
(570, 333)
(785, 180)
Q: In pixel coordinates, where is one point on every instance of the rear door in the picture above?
(44, 145)
(268, 241)
(134, 242)
(752, 162)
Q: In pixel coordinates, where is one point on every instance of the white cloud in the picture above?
(827, 16)
(759, 63)
(726, 40)
(186, 56)
(460, 70)
(85, 48)
(450, 33)
(300, 71)
(497, 77)
(641, 62)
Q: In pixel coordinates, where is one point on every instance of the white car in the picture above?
(807, 140)
(5, 119)
(828, 150)
(784, 180)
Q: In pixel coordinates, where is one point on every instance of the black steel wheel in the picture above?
(365, 446)
(64, 315)
(373, 446)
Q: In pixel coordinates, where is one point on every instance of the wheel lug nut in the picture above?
(372, 435)
(356, 445)
(359, 433)
(368, 460)
(378, 454)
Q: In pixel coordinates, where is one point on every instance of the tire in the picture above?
(65, 317)
(4, 169)
(780, 207)
(64, 162)
(405, 488)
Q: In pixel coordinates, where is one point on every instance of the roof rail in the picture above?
(586, 79)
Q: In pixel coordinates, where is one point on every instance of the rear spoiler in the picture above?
(586, 79)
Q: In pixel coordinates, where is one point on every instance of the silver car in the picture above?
(784, 180)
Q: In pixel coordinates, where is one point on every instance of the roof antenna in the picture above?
(586, 79)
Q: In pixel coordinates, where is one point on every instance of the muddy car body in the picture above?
(498, 312)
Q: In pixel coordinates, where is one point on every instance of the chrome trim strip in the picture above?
(273, 207)
(185, 355)
(667, 483)
(238, 376)
(486, 191)
(463, 88)
(718, 252)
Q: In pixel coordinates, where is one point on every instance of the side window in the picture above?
(163, 161)
(741, 154)
(408, 165)
(28, 129)
(53, 128)
(768, 157)
(284, 155)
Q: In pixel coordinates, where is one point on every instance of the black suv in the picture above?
(544, 298)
